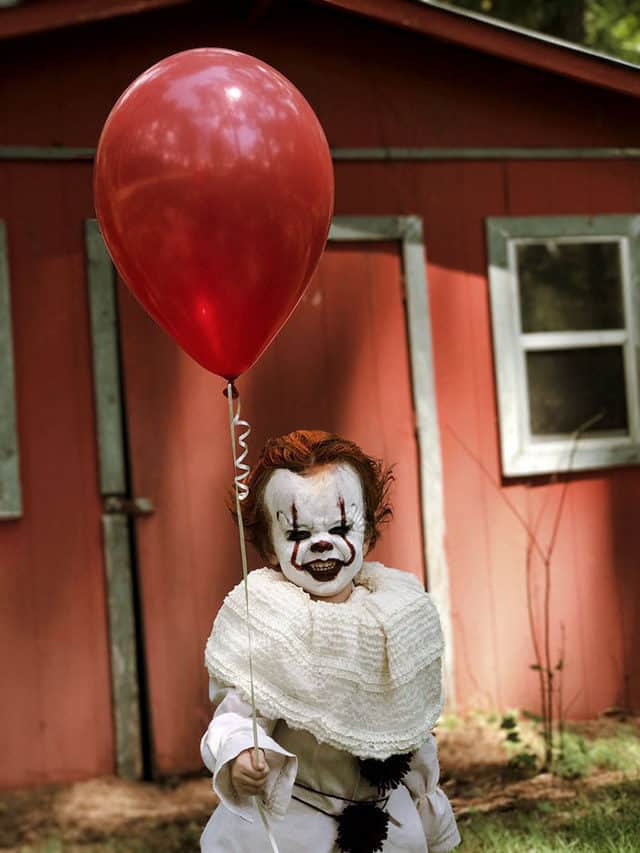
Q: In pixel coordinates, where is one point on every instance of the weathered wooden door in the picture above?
(340, 364)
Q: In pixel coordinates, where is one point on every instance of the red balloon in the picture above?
(214, 192)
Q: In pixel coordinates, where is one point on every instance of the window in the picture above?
(10, 500)
(565, 302)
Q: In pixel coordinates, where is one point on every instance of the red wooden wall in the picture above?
(371, 86)
(55, 715)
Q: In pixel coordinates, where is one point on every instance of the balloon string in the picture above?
(241, 489)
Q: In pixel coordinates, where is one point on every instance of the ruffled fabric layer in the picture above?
(363, 676)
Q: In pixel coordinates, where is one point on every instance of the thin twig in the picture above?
(547, 652)
(534, 638)
(525, 524)
(560, 668)
(574, 446)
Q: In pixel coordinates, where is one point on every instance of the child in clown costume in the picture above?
(346, 670)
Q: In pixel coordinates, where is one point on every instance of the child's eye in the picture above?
(297, 535)
(341, 529)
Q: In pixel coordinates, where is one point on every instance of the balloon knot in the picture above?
(234, 391)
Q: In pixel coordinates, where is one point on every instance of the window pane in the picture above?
(568, 387)
(569, 286)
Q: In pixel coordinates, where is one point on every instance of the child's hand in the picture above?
(245, 777)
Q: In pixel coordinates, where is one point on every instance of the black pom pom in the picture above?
(386, 775)
(362, 828)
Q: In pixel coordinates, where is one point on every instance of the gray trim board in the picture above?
(122, 636)
(106, 368)
(389, 154)
(117, 546)
(408, 231)
(399, 154)
(10, 492)
(52, 152)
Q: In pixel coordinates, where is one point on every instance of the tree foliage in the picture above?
(611, 26)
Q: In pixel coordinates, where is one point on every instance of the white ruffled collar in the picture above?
(363, 675)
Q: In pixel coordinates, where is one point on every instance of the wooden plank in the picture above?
(384, 154)
(427, 425)
(399, 154)
(541, 227)
(117, 543)
(37, 152)
(124, 670)
(535, 341)
(106, 366)
(10, 490)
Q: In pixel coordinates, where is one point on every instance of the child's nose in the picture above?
(321, 546)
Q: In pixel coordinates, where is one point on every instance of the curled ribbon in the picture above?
(241, 466)
(241, 492)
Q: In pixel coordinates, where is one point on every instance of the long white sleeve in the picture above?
(230, 733)
(433, 806)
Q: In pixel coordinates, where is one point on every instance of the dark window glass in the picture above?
(569, 387)
(569, 286)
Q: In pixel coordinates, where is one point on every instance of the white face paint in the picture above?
(317, 526)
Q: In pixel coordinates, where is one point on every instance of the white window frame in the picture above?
(10, 492)
(521, 453)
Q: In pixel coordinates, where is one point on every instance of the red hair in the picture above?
(303, 451)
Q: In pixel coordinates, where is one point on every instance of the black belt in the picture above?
(362, 825)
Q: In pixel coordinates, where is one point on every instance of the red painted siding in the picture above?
(371, 86)
(55, 712)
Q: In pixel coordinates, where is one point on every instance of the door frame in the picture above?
(407, 230)
(117, 533)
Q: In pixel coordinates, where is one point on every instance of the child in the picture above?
(346, 671)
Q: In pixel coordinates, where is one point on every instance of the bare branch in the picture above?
(516, 512)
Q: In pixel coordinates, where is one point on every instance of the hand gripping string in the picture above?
(241, 490)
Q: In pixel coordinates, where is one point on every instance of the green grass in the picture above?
(580, 756)
(608, 821)
(621, 752)
(575, 756)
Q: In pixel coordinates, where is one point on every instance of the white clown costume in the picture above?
(347, 694)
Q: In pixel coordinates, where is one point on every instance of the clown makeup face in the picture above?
(318, 528)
